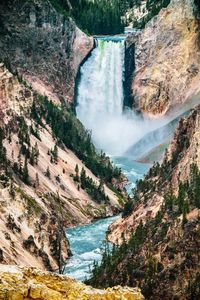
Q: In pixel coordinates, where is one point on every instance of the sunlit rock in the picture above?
(29, 283)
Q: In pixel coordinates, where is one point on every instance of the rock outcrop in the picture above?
(43, 46)
(32, 234)
(182, 152)
(28, 283)
(161, 227)
(167, 59)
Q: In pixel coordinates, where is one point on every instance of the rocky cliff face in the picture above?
(43, 46)
(161, 227)
(33, 232)
(182, 152)
(40, 53)
(28, 283)
(167, 59)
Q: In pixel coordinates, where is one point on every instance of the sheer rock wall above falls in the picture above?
(43, 46)
(167, 59)
(161, 228)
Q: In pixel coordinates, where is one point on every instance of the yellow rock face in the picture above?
(28, 283)
(167, 59)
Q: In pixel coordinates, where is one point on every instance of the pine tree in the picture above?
(37, 182)
(25, 172)
(83, 178)
(48, 174)
(12, 189)
(19, 158)
(54, 153)
(76, 178)
(34, 155)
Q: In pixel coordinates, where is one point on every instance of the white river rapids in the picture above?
(114, 130)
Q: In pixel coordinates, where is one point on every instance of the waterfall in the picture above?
(100, 100)
(100, 95)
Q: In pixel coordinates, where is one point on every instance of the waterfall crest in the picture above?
(100, 95)
(100, 100)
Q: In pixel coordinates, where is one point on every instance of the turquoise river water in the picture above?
(114, 129)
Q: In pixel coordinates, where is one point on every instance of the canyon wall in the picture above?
(158, 233)
(181, 154)
(40, 189)
(43, 46)
(167, 60)
(35, 212)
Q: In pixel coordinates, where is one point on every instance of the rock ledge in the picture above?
(18, 283)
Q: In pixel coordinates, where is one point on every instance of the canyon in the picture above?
(158, 234)
(35, 212)
(53, 178)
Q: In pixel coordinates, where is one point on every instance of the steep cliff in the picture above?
(167, 59)
(42, 179)
(158, 233)
(43, 46)
(181, 154)
(28, 283)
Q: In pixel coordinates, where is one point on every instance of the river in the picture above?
(100, 107)
(86, 241)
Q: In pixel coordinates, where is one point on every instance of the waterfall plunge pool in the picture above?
(100, 100)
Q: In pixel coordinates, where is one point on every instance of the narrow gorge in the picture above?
(99, 149)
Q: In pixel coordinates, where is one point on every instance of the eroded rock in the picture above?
(167, 59)
(29, 283)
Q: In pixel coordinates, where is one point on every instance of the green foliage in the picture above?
(35, 132)
(169, 202)
(54, 154)
(94, 17)
(25, 175)
(76, 177)
(34, 155)
(105, 16)
(128, 207)
(97, 193)
(62, 6)
(117, 266)
(23, 133)
(2, 148)
(111, 258)
(98, 16)
(153, 7)
(47, 173)
(12, 189)
(31, 203)
(194, 186)
(68, 130)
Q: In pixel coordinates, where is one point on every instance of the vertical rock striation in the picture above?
(43, 46)
(167, 59)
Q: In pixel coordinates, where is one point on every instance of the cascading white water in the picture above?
(101, 90)
(100, 97)
(100, 101)
(100, 108)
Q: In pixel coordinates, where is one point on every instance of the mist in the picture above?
(100, 106)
